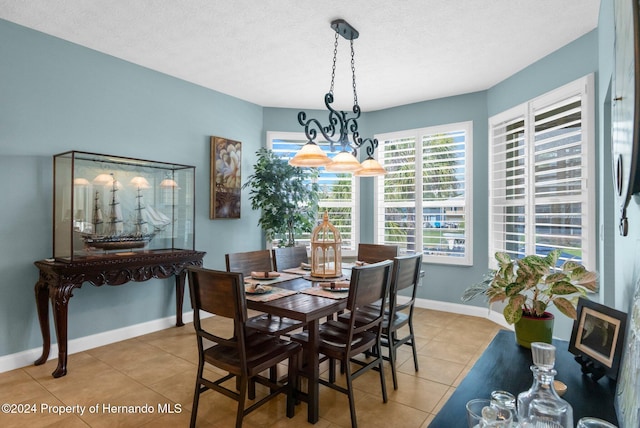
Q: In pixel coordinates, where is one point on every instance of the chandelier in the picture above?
(340, 127)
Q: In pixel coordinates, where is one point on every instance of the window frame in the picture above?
(355, 196)
(582, 88)
(419, 134)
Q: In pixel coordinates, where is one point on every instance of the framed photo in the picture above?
(597, 338)
(225, 178)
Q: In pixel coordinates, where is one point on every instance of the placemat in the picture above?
(276, 293)
(317, 291)
(283, 277)
(297, 271)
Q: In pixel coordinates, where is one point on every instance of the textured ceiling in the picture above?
(278, 53)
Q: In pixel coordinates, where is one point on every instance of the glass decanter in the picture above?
(549, 410)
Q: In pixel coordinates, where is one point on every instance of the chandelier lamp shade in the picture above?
(370, 166)
(342, 128)
(310, 155)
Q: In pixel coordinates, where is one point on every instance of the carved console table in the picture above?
(57, 281)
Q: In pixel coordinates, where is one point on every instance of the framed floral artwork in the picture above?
(225, 178)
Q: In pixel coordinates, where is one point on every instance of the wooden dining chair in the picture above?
(242, 353)
(289, 257)
(344, 340)
(260, 261)
(373, 253)
(249, 261)
(406, 275)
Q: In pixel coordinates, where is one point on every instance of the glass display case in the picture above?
(108, 205)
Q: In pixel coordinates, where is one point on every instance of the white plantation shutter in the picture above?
(507, 186)
(424, 201)
(337, 191)
(397, 205)
(541, 159)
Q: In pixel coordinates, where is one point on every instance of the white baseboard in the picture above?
(474, 311)
(458, 308)
(26, 358)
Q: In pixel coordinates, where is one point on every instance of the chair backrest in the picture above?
(406, 276)
(289, 257)
(369, 284)
(219, 293)
(373, 253)
(249, 261)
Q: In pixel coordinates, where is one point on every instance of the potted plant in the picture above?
(286, 195)
(530, 285)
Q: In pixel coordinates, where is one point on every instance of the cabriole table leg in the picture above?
(42, 303)
(60, 303)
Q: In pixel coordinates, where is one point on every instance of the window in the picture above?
(541, 190)
(424, 201)
(338, 190)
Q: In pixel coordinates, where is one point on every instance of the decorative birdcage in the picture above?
(326, 250)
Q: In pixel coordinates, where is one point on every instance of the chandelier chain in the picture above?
(333, 68)
(342, 126)
(353, 72)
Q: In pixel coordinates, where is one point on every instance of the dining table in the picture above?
(297, 295)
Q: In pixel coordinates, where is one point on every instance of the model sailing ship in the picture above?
(146, 224)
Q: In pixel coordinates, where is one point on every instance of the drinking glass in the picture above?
(546, 413)
(481, 414)
(474, 411)
(589, 422)
(505, 401)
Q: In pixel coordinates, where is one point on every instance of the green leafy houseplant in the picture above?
(286, 195)
(531, 284)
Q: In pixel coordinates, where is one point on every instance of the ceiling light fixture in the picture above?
(339, 127)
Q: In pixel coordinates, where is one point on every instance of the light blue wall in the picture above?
(56, 96)
(612, 294)
(443, 282)
(568, 63)
(622, 251)
(565, 65)
(447, 283)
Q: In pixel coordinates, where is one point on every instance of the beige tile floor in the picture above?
(156, 372)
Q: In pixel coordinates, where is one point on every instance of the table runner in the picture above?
(318, 291)
(276, 293)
